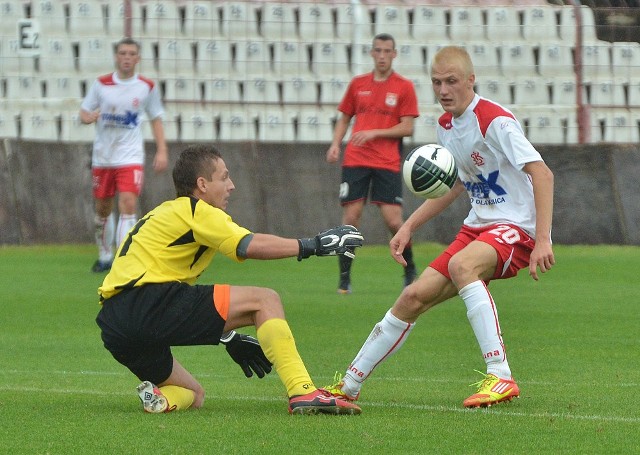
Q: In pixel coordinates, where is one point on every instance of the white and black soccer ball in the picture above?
(429, 171)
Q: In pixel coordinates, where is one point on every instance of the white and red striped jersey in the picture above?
(490, 150)
(124, 105)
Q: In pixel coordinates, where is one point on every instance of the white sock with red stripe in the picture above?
(125, 223)
(483, 316)
(386, 338)
(104, 234)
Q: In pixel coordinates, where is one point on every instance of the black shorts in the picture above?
(385, 187)
(140, 325)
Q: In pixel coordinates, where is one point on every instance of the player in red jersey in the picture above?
(384, 105)
(117, 103)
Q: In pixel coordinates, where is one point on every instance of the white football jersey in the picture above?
(124, 105)
(490, 150)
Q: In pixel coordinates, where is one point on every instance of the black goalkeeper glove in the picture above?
(246, 352)
(338, 240)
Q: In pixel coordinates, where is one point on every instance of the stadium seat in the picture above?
(252, 57)
(496, 89)
(568, 25)
(634, 92)
(555, 59)
(58, 55)
(563, 91)
(517, 60)
(361, 60)
(332, 89)
(214, 58)
(484, 56)
(353, 22)
(279, 21)
(410, 61)
(161, 19)
(61, 86)
(95, 55)
(393, 19)
(276, 125)
(540, 24)
(625, 59)
(634, 116)
(430, 24)
(8, 121)
(116, 19)
(467, 24)
(543, 125)
(607, 92)
(299, 90)
(240, 20)
(50, 15)
(222, 90)
(596, 61)
(22, 87)
(202, 20)
(196, 124)
(316, 22)
(169, 124)
(87, 18)
(182, 88)
(40, 123)
(291, 58)
(315, 124)
(611, 125)
(503, 24)
(175, 56)
(72, 129)
(13, 60)
(260, 90)
(424, 131)
(11, 12)
(236, 124)
(424, 91)
(330, 60)
(531, 90)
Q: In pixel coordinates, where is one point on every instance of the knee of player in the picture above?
(270, 300)
(459, 269)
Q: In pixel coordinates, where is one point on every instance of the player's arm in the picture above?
(402, 129)
(425, 212)
(88, 117)
(542, 180)
(340, 130)
(161, 159)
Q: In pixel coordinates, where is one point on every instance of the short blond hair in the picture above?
(454, 55)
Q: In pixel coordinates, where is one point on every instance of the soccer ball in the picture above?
(429, 171)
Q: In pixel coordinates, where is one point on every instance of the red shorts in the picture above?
(109, 180)
(512, 244)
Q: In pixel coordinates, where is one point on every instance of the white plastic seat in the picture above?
(50, 16)
(353, 22)
(424, 91)
(196, 124)
(607, 92)
(58, 55)
(316, 22)
(169, 125)
(611, 125)
(276, 125)
(13, 60)
(424, 130)
(330, 60)
(214, 58)
(236, 124)
(393, 19)
(62, 86)
(568, 25)
(496, 89)
(279, 21)
(72, 129)
(634, 118)
(87, 18)
(531, 90)
(240, 20)
(315, 125)
(625, 59)
(175, 56)
(596, 60)
(332, 89)
(410, 61)
(540, 24)
(11, 12)
(467, 24)
(95, 55)
(299, 90)
(564, 91)
(517, 60)
(181, 88)
(503, 24)
(162, 19)
(260, 90)
(634, 92)
(8, 121)
(116, 18)
(361, 60)
(252, 57)
(543, 125)
(39, 123)
(555, 59)
(291, 58)
(484, 56)
(430, 24)
(202, 20)
(22, 87)
(222, 90)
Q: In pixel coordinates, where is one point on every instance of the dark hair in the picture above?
(126, 41)
(385, 37)
(195, 161)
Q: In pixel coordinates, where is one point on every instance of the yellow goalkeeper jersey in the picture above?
(176, 241)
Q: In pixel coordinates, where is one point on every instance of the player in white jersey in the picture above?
(118, 103)
(508, 228)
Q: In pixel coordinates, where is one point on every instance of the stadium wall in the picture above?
(289, 189)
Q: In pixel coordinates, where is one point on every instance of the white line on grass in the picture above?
(500, 411)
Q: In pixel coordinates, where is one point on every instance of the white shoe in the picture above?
(153, 400)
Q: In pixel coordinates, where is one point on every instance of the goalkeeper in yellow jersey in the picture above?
(150, 301)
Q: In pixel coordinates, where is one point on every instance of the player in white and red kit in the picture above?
(118, 103)
(508, 228)
(384, 105)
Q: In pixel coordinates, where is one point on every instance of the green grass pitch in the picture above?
(572, 340)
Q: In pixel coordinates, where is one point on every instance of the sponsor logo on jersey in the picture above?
(486, 190)
(391, 99)
(127, 120)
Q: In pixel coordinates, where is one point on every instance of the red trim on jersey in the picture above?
(486, 112)
(146, 80)
(107, 79)
(445, 120)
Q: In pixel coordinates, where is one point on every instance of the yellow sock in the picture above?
(179, 398)
(278, 345)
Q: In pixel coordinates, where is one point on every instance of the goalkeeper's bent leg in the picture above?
(179, 398)
(277, 342)
(385, 339)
